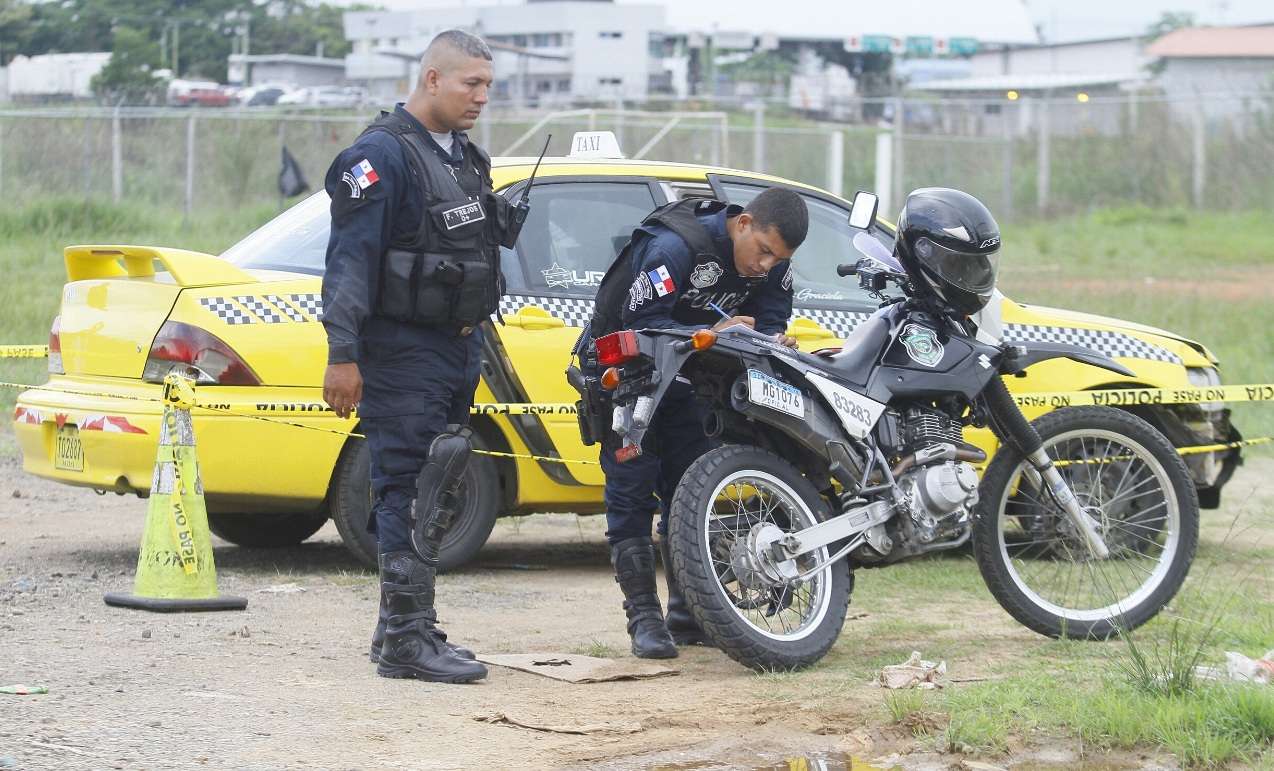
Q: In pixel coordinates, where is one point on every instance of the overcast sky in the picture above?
(1057, 19)
(1078, 19)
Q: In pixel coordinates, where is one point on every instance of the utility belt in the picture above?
(453, 281)
(593, 409)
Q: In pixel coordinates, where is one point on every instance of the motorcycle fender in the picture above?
(857, 413)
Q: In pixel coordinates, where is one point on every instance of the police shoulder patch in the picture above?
(640, 292)
(786, 283)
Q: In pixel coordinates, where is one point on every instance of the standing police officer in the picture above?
(412, 271)
(692, 264)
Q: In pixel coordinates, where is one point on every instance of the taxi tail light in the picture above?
(610, 379)
(55, 347)
(202, 354)
(617, 348)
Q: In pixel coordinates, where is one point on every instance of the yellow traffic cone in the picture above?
(175, 571)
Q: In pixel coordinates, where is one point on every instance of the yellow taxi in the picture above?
(247, 324)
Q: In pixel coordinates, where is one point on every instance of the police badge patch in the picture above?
(922, 345)
(640, 292)
(786, 283)
(706, 275)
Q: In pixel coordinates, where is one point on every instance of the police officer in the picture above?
(412, 271)
(692, 264)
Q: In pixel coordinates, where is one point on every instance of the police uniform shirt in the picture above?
(375, 201)
(672, 287)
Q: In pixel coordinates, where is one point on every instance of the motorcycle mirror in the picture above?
(863, 212)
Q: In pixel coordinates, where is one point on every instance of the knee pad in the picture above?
(436, 503)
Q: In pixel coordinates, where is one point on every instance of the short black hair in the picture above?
(457, 40)
(784, 209)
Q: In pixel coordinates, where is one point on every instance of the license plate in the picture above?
(68, 451)
(775, 394)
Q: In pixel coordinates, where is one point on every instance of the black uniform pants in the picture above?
(415, 382)
(674, 441)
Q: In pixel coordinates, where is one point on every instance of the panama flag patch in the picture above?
(364, 174)
(661, 280)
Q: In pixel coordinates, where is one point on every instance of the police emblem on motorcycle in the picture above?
(706, 275)
(922, 345)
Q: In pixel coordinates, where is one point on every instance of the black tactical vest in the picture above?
(710, 279)
(448, 272)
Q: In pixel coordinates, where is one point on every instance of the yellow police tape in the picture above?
(23, 351)
(1125, 397)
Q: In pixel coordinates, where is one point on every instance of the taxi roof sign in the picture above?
(595, 144)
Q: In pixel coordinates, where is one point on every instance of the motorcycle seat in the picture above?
(857, 357)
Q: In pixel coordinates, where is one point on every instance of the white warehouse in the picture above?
(545, 50)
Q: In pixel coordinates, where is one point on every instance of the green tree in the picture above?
(15, 15)
(1168, 22)
(129, 75)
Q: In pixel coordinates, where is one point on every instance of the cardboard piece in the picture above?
(575, 668)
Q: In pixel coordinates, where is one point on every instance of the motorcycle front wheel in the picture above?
(1135, 486)
(766, 617)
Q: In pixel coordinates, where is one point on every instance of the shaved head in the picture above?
(450, 47)
(455, 76)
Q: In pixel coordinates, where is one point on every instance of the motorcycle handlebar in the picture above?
(846, 270)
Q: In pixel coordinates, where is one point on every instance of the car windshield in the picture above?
(296, 240)
(830, 242)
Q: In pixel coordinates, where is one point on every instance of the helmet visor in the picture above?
(968, 272)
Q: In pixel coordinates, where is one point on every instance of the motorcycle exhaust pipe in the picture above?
(936, 453)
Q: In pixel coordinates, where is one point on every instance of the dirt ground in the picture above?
(287, 683)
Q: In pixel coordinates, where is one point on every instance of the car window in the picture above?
(574, 232)
(828, 244)
(296, 240)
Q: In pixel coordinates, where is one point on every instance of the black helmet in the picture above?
(947, 242)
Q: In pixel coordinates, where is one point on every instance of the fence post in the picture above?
(1, 158)
(190, 165)
(725, 139)
(1007, 113)
(898, 171)
(885, 172)
(1042, 160)
(836, 162)
(1199, 169)
(117, 159)
(758, 135)
(619, 120)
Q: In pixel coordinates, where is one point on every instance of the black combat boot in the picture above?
(634, 561)
(413, 645)
(378, 636)
(681, 625)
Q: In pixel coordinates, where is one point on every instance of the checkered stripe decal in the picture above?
(226, 310)
(260, 308)
(576, 313)
(1112, 344)
(310, 304)
(288, 310)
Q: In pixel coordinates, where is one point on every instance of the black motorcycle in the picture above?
(1083, 524)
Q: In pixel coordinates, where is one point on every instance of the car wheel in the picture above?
(268, 531)
(350, 502)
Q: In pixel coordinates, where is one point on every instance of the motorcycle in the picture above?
(1083, 525)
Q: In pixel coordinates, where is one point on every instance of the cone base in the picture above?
(167, 605)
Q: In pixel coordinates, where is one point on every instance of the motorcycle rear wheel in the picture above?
(764, 624)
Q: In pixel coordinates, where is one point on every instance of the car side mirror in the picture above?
(862, 214)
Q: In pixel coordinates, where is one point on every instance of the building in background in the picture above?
(293, 69)
(1234, 66)
(54, 77)
(545, 50)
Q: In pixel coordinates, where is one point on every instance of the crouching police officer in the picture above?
(412, 270)
(691, 264)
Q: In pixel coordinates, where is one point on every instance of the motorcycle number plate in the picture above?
(770, 392)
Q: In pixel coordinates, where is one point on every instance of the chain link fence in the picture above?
(1026, 158)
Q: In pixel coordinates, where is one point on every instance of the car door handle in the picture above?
(808, 329)
(534, 317)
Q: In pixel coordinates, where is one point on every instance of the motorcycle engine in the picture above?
(939, 495)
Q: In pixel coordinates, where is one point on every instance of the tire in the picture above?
(1153, 520)
(723, 612)
(350, 500)
(266, 531)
